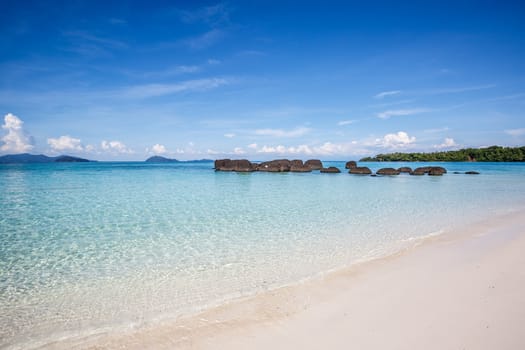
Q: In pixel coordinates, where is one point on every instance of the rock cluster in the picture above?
(297, 166)
(430, 170)
(273, 166)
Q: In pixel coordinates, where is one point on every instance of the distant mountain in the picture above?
(70, 159)
(38, 158)
(159, 159)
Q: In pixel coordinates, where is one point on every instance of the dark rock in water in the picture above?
(373, 175)
(314, 164)
(387, 171)
(436, 171)
(439, 169)
(405, 169)
(430, 170)
(300, 169)
(275, 166)
(456, 172)
(240, 165)
(223, 165)
(471, 173)
(331, 170)
(296, 163)
(360, 170)
(350, 164)
(297, 166)
(421, 170)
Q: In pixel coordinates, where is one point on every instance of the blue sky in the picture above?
(257, 79)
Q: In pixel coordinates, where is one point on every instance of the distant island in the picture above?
(160, 159)
(39, 158)
(488, 154)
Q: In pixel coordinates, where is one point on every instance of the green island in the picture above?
(488, 154)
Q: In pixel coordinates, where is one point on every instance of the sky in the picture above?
(260, 80)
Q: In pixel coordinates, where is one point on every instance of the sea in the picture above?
(92, 248)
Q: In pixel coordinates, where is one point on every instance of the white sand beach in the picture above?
(455, 291)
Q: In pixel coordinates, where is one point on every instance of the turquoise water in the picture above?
(96, 247)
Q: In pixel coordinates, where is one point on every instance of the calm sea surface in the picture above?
(95, 247)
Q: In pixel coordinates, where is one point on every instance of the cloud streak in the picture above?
(297, 132)
(387, 93)
(401, 112)
(154, 90)
(515, 132)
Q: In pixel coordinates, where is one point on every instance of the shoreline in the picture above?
(279, 317)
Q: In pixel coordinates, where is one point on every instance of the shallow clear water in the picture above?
(98, 246)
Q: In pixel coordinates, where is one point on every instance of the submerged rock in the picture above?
(471, 173)
(387, 171)
(360, 170)
(331, 170)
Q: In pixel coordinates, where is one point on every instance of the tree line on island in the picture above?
(488, 154)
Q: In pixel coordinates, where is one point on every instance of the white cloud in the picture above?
(400, 112)
(301, 149)
(115, 147)
(16, 140)
(387, 93)
(515, 132)
(326, 149)
(159, 149)
(300, 131)
(229, 135)
(345, 122)
(238, 150)
(65, 143)
(447, 143)
(252, 146)
(212, 152)
(272, 149)
(397, 140)
(153, 90)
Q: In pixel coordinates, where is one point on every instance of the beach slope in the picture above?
(451, 293)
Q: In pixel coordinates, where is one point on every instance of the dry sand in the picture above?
(457, 291)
